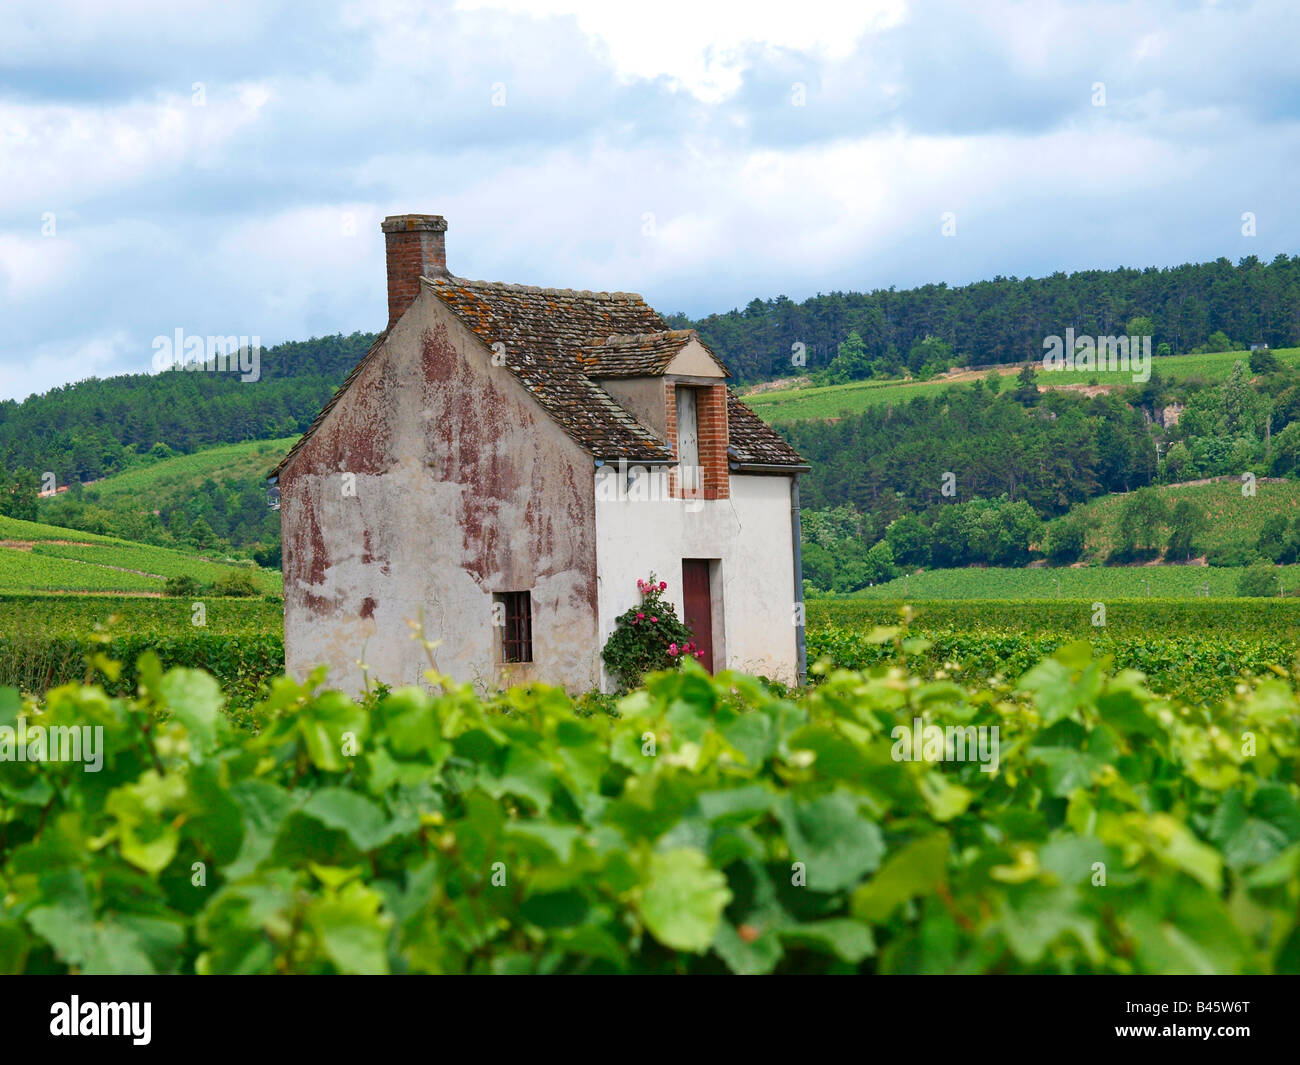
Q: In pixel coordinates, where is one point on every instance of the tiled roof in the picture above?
(555, 340)
(534, 322)
(540, 329)
(752, 442)
(639, 354)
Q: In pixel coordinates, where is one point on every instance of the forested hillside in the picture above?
(86, 430)
(1051, 450)
(215, 499)
(1005, 320)
(977, 476)
(92, 428)
(1040, 454)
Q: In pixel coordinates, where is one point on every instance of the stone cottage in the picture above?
(504, 464)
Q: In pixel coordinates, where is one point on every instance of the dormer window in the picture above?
(697, 427)
(688, 428)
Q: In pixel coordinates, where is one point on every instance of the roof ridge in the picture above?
(511, 286)
(615, 338)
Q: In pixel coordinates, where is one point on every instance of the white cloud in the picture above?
(61, 361)
(32, 262)
(53, 155)
(702, 46)
(229, 218)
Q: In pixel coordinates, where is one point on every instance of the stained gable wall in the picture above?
(460, 486)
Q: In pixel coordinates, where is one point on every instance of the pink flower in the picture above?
(640, 617)
(699, 654)
(654, 619)
(663, 585)
(672, 649)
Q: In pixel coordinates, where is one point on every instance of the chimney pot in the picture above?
(415, 247)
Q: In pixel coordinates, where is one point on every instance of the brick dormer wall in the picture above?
(670, 406)
(712, 415)
(711, 425)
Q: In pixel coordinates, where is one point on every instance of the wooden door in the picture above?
(697, 609)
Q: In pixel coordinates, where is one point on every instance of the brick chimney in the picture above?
(416, 247)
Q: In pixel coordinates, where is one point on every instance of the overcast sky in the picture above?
(222, 168)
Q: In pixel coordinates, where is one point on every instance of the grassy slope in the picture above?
(78, 615)
(119, 501)
(1100, 583)
(91, 563)
(1146, 618)
(184, 475)
(1234, 519)
(835, 401)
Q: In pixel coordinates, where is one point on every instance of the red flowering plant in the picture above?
(648, 637)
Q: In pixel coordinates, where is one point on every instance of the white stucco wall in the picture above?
(749, 533)
(462, 486)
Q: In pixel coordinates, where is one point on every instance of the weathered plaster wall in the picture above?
(693, 360)
(749, 532)
(643, 398)
(463, 487)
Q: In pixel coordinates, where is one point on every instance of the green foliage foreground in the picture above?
(714, 825)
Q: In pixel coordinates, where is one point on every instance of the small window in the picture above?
(688, 434)
(515, 614)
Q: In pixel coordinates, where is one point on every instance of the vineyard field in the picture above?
(48, 640)
(1199, 670)
(1093, 583)
(1196, 647)
(155, 561)
(84, 614)
(1197, 650)
(1148, 618)
(675, 859)
(36, 557)
(22, 571)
